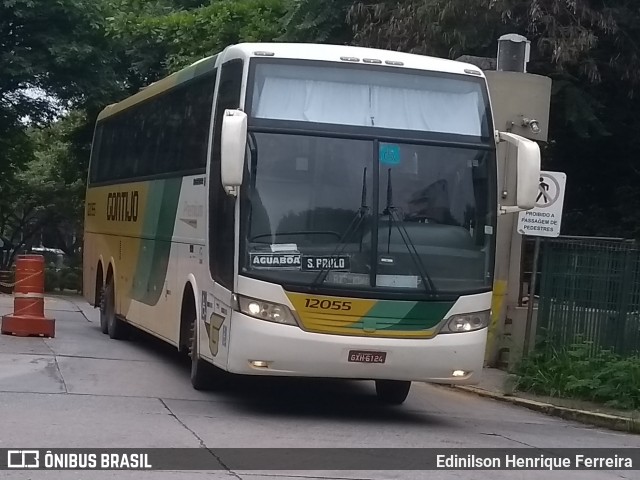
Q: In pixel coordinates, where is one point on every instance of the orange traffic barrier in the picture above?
(27, 319)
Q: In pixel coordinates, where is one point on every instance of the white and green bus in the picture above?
(304, 210)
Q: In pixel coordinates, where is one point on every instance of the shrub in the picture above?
(70, 279)
(583, 372)
(73, 281)
(51, 279)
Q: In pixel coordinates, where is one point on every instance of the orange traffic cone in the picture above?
(27, 319)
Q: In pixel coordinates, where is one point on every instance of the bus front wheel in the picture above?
(199, 368)
(204, 375)
(392, 392)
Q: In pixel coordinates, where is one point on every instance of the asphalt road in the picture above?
(82, 389)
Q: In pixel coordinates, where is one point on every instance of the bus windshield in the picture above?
(325, 207)
(393, 98)
(311, 218)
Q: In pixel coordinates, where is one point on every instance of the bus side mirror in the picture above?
(527, 172)
(233, 146)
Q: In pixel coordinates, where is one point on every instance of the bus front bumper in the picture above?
(258, 347)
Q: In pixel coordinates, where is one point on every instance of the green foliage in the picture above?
(70, 279)
(46, 195)
(443, 28)
(577, 35)
(580, 372)
(162, 39)
(50, 50)
(317, 22)
(54, 56)
(51, 279)
(67, 278)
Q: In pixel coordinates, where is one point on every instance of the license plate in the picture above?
(360, 356)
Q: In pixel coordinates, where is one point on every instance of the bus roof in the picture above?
(192, 71)
(300, 51)
(362, 55)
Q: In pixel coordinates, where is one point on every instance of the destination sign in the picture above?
(340, 262)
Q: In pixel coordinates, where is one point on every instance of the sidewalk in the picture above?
(58, 302)
(499, 385)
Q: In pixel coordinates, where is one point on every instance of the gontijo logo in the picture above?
(123, 206)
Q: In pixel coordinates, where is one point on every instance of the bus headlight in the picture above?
(272, 312)
(467, 322)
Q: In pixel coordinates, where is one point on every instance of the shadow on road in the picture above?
(291, 396)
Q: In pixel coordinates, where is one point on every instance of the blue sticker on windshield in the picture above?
(389, 154)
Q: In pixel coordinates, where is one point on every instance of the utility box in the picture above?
(520, 103)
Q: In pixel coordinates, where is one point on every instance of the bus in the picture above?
(304, 210)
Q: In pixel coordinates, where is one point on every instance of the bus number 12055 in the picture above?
(327, 304)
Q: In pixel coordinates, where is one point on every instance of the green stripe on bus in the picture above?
(402, 316)
(408, 316)
(153, 256)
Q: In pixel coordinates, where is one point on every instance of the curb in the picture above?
(604, 420)
(83, 307)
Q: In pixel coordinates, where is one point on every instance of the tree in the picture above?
(82, 55)
(54, 56)
(46, 195)
(88, 53)
(57, 48)
(162, 39)
(317, 22)
(592, 54)
(428, 27)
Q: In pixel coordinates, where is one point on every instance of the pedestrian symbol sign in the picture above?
(544, 219)
(548, 190)
(544, 192)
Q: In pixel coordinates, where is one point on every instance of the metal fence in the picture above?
(590, 290)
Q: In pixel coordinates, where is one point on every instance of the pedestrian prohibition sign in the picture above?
(544, 219)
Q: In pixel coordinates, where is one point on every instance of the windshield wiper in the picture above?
(353, 227)
(392, 213)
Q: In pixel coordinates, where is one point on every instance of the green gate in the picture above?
(590, 290)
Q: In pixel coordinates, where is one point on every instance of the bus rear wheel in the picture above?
(116, 328)
(392, 392)
(104, 319)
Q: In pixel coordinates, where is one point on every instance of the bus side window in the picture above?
(222, 206)
(196, 123)
(106, 156)
(95, 154)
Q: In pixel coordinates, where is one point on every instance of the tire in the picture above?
(392, 392)
(116, 328)
(200, 370)
(103, 316)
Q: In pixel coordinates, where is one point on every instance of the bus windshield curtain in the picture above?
(359, 104)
